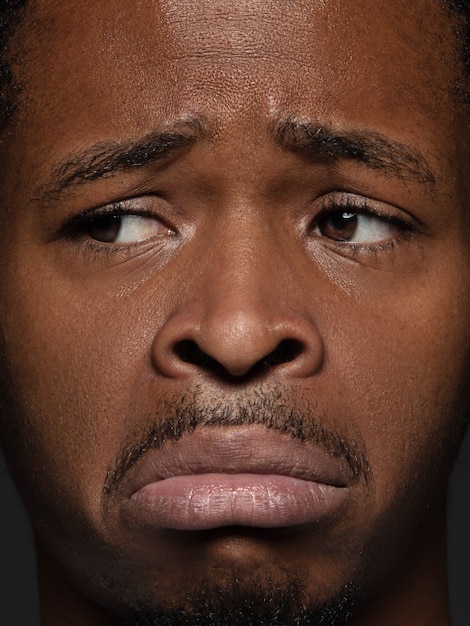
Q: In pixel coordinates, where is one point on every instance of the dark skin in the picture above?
(248, 264)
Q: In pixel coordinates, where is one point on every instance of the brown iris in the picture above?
(104, 228)
(340, 226)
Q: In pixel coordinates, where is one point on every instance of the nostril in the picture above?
(189, 352)
(238, 347)
(287, 350)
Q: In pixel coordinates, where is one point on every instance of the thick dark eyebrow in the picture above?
(366, 147)
(108, 157)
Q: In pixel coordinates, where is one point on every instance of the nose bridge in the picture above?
(242, 274)
(238, 301)
(239, 313)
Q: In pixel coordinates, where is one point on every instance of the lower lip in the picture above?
(207, 501)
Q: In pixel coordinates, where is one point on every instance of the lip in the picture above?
(234, 476)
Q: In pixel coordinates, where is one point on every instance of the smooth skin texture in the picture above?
(292, 241)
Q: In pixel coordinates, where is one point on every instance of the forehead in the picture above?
(144, 61)
(94, 72)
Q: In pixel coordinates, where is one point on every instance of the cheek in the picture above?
(402, 368)
(78, 379)
(74, 380)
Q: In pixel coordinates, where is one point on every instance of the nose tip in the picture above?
(245, 344)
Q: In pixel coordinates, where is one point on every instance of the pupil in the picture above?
(342, 225)
(105, 228)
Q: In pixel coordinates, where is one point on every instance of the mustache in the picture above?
(268, 407)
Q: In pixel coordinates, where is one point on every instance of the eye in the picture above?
(124, 229)
(355, 227)
(348, 218)
(120, 224)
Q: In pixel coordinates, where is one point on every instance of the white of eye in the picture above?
(371, 229)
(138, 228)
(360, 228)
(125, 229)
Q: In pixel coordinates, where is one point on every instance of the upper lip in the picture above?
(234, 450)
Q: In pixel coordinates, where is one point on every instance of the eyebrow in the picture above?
(108, 157)
(370, 148)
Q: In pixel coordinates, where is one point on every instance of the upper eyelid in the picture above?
(72, 226)
(127, 207)
(346, 200)
(121, 207)
(370, 206)
(336, 201)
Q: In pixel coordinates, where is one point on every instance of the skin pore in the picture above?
(234, 236)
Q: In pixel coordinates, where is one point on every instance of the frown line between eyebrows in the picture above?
(366, 147)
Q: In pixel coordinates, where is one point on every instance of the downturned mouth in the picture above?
(234, 476)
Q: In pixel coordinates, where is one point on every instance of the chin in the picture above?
(232, 576)
(251, 598)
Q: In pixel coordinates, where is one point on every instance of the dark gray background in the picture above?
(18, 606)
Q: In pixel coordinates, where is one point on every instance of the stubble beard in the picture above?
(245, 595)
(250, 601)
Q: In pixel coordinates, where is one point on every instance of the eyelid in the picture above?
(346, 201)
(406, 225)
(123, 207)
(140, 206)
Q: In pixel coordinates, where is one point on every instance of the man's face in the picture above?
(235, 293)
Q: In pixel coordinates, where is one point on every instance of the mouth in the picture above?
(234, 476)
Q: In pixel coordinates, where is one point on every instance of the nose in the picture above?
(237, 344)
(239, 321)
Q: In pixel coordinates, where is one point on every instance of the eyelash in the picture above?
(74, 231)
(361, 206)
(73, 228)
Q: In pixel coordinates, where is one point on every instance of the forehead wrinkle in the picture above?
(366, 147)
(108, 157)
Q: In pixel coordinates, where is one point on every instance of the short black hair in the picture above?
(11, 12)
(462, 7)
